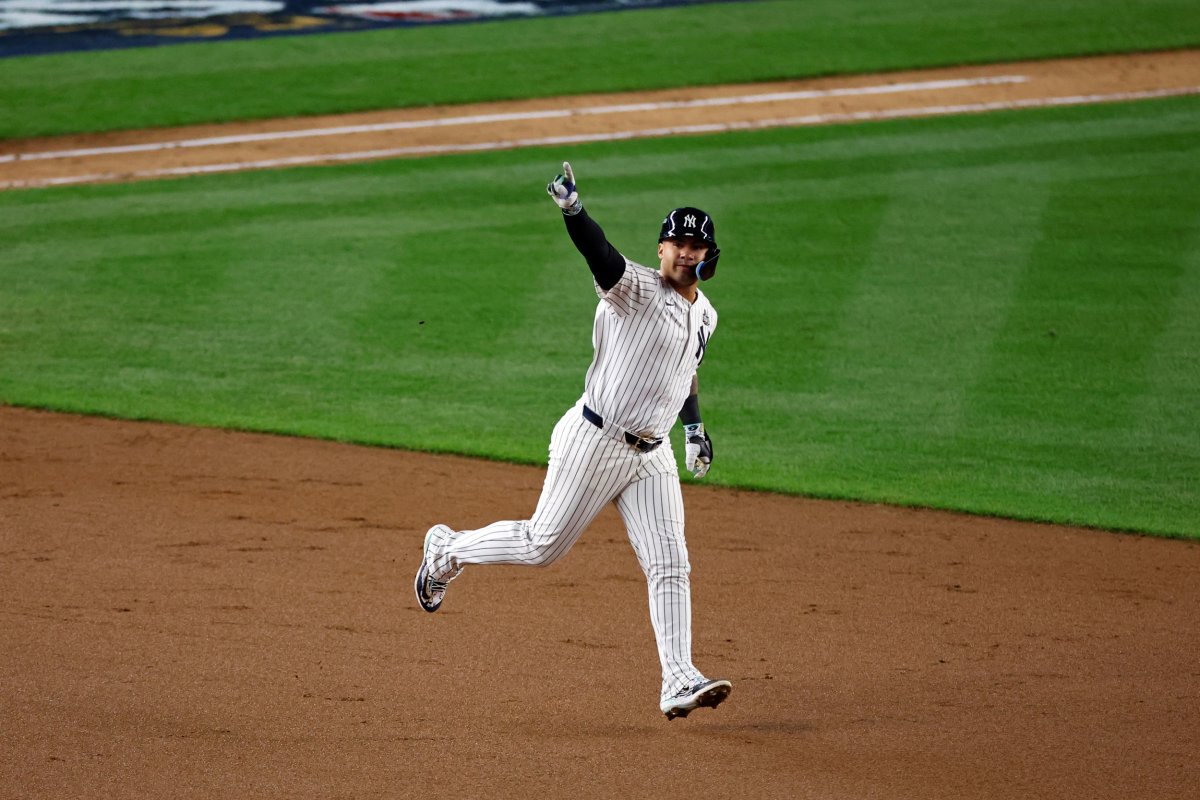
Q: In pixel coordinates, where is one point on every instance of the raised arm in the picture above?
(605, 262)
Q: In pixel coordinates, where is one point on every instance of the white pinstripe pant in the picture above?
(589, 469)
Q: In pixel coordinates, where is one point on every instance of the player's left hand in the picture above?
(562, 191)
(698, 450)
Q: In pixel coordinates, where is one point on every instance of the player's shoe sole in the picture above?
(708, 694)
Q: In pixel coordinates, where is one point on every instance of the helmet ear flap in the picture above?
(708, 267)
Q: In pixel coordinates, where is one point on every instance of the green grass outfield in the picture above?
(750, 41)
(990, 313)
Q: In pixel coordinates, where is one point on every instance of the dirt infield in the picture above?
(198, 613)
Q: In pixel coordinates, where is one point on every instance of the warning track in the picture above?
(141, 155)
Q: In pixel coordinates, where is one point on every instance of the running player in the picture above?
(650, 334)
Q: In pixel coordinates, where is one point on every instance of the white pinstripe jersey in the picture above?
(648, 343)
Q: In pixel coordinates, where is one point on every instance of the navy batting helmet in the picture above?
(688, 222)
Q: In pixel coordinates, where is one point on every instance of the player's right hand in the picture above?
(562, 191)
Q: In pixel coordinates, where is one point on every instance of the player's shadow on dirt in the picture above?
(771, 727)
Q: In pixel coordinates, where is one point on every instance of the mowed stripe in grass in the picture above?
(985, 314)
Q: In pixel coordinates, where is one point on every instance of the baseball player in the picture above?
(650, 334)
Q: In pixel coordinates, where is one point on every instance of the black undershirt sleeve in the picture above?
(606, 264)
(690, 413)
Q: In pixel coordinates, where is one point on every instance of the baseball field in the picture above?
(948, 543)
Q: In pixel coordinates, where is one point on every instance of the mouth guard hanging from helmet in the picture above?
(688, 222)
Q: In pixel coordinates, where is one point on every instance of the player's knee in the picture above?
(666, 563)
(667, 573)
(543, 553)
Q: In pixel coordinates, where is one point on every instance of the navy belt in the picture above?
(637, 442)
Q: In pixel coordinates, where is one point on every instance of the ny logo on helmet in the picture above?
(689, 221)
